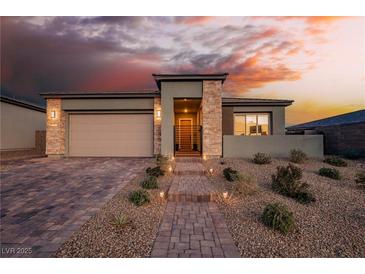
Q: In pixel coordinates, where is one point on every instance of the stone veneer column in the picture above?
(212, 118)
(55, 136)
(157, 126)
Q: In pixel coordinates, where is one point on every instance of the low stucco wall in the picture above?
(275, 145)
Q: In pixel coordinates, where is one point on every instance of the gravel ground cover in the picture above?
(98, 237)
(333, 226)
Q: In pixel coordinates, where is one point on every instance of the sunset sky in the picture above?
(317, 61)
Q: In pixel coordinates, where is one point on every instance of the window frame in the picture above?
(268, 113)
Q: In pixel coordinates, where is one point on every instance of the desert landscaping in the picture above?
(332, 226)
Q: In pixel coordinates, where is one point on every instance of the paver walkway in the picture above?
(192, 229)
(44, 201)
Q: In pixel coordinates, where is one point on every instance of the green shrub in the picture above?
(335, 161)
(231, 174)
(352, 154)
(156, 171)
(287, 182)
(139, 197)
(120, 220)
(278, 217)
(150, 182)
(360, 179)
(304, 196)
(330, 173)
(261, 158)
(245, 185)
(297, 156)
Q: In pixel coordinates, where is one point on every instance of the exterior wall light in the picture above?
(53, 114)
(185, 110)
(204, 157)
(162, 194)
(225, 194)
(158, 114)
(211, 171)
(172, 158)
(170, 169)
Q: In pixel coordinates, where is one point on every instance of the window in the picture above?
(250, 124)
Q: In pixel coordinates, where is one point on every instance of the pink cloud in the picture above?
(192, 20)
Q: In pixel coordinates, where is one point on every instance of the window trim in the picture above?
(244, 113)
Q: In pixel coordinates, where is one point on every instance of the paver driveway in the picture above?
(44, 201)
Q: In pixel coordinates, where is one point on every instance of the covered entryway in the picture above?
(187, 129)
(111, 135)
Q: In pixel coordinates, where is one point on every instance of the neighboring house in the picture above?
(342, 133)
(22, 127)
(186, 116)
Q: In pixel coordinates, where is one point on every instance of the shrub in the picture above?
(335, 161)
(360, 179)
(278, 217)
(261, 158)
(120, 220)
(139, 197)
(297, 156)
(287, 182)
(304, 196)
(230, 200)
(231, 174)
(161, 160)
(352, 154)
(245, 185)
(156, 171)
(150, 182)
(330, 173)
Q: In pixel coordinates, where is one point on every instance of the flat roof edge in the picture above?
(258, 103)
(100, 95)
(188, 77)
(23, 104)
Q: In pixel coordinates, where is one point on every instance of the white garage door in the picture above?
(115, 135)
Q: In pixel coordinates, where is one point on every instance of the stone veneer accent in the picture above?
(212, 118)
(157, 126)
(55, 137)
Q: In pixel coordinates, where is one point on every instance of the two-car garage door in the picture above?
(111, 135)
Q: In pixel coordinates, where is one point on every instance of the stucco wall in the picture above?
(277, 117)
(169, 91)
(107, 104)
(18, 126)
(275, 145)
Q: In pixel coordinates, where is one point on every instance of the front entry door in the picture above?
(185, 137)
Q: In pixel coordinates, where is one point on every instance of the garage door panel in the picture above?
(118, 135)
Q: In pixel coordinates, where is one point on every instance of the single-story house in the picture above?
(23, 126)
(342, 133)
(185, 116)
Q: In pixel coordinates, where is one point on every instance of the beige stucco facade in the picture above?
(19, 126)
(212, 115)
(274, 145)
